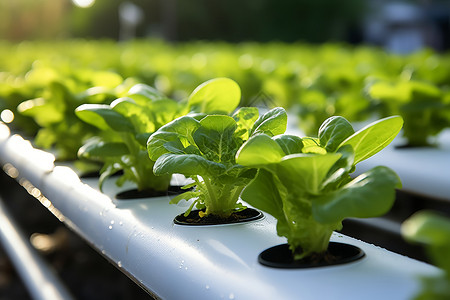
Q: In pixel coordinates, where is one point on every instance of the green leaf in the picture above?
(87, 114)
(431, 229)
(262, 193)
(137, 114)
(245, 117)
(103, 117)
(427, 227)
(185, 196)
(106, 79)
(272, 123)
(258, 151)
(143, 93)
(333, 131)
(187, 164)
(101, 149)
(374, 137)
(164, 111)
(339, 173)
(389, 92)
(45, 138)
(312, 146)
(173, 137)
(44, 113)
(306, 172)
(107, 171)
(369, 195)
(290, 144)
(219, 95)
(215, 138)
(142, 138)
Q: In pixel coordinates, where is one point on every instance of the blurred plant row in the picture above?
(43, 82)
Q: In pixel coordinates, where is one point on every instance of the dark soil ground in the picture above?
(86, 274)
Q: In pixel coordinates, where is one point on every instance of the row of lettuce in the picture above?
(232, 153)
(312, 82)
(93, 103)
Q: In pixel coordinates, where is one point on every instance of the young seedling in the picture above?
(305, 183)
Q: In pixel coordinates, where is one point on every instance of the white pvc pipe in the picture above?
(39, 279)
(206, 262)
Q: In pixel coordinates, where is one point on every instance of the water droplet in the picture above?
(101, 213)
(112, 222)
(103, 252)
(120, 223)
(207, 287)
(231, 296)
(110, 227)
(119, 264)
(181, 264)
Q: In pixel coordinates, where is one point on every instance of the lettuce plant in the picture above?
(424, 107)
(128, 122)
(204, 150)
(431, 230)
(53, 110)
(305, 183)
(125, 126)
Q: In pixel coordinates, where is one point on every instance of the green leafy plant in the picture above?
(125, 126)
(204, 150)
(53, 110)
(128, 122)
(305, 183)
(423, 106)
(432, 230)
(313, 81)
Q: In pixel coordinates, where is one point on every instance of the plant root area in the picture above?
(194, 218)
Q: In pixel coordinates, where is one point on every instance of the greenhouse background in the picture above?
(363, 60)
(419, 23)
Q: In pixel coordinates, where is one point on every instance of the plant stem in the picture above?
(221, 198)
(210, 198)
(235, 196)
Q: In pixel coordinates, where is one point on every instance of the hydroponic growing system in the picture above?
(294, 133)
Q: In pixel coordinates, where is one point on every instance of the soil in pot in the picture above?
(193, 219)
(280, 256)
(149, 193)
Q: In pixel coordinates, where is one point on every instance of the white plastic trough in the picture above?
(209, 262)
